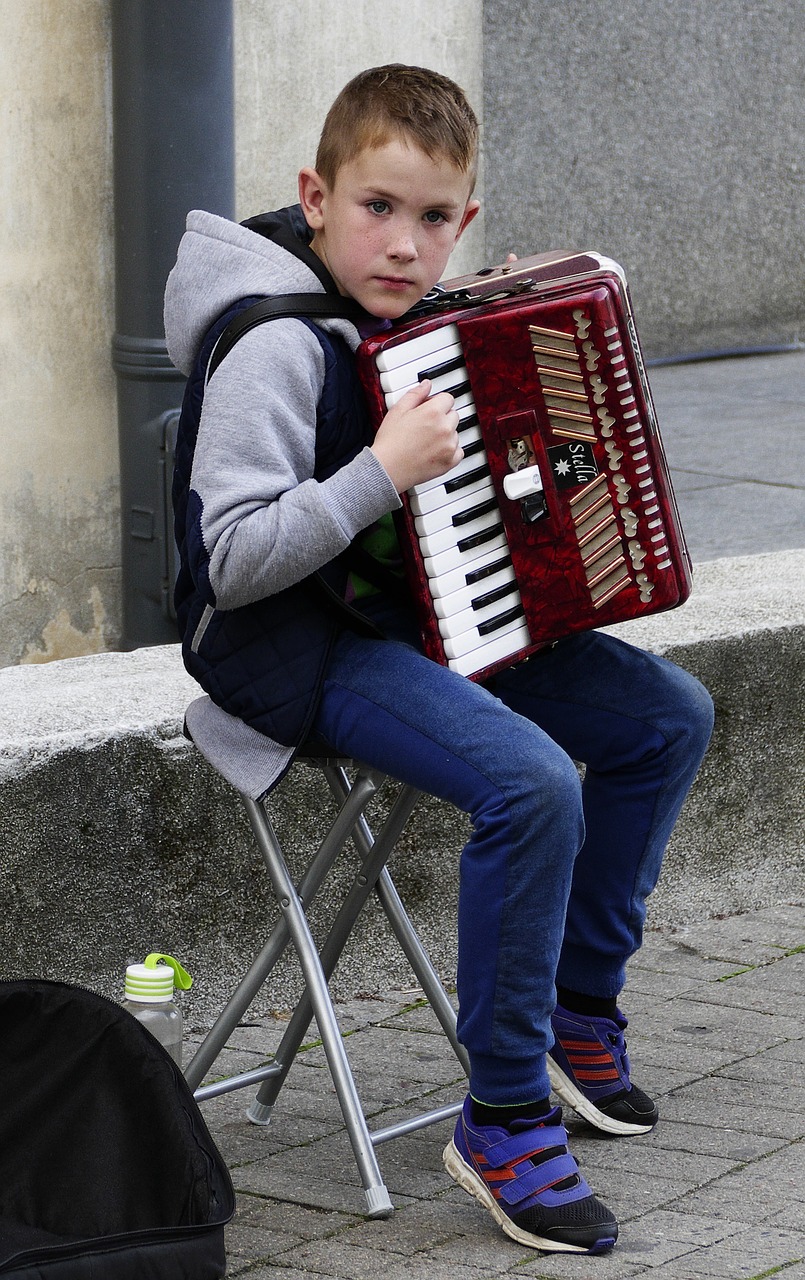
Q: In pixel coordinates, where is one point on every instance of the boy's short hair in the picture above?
(397, 101)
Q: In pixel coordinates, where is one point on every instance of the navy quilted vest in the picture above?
(265, 662)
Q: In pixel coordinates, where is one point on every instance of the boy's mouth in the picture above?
(395, 282)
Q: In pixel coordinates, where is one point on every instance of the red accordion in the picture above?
(561, 516)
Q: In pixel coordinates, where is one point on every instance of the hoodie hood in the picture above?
(287, 227)
(219, 262)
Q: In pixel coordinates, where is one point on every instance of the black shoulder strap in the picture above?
(313, 305)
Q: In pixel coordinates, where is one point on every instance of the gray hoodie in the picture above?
(266, 522)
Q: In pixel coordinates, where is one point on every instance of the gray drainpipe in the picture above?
(173, 105)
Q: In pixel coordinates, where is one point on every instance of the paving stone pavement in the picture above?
(733, 432)
(716, 1191)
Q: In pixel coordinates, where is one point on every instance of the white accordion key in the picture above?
(417, 349)
(453, 379)
(471, 573)
(407, 375)
(465, 598)
(431, 499)
(452, 515)
(508, 620)
(504, 645)
(460, 634)
(459, 556)
(500, 601)
(444, 539)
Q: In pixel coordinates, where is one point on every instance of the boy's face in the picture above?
(386, 227)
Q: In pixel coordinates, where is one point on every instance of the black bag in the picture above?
(107, 1168)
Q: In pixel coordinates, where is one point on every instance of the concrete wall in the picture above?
(118, 838)
(668, 135)
(59, 499)
(293, 58)
(59, 554)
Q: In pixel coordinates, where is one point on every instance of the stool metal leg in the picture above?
(420, 963)
(366, 784)
(375, 854)
(317, 994)
(405, 933)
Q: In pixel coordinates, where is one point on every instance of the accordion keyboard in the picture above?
(456, 516)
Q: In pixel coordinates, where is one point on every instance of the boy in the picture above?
(278, 479)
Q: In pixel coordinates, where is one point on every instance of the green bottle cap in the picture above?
(154, 981)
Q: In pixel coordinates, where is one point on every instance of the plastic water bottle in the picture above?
(149, 999)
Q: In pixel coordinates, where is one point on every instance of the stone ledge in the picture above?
(119, 838)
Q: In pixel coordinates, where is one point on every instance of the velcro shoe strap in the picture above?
(539, 1177)
(527, 1143)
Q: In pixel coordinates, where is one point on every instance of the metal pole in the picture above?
(173, 109)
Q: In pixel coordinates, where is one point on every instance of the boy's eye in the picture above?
(434, 217)
(378, 206)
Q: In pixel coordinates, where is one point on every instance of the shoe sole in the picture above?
(469, 1180)
(574, 1098)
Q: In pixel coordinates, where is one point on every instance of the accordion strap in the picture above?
(307, 305)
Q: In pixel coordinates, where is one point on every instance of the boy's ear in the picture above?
(312, 192)
(469, 213)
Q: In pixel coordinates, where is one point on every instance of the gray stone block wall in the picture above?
(669, 136)
(118, 839)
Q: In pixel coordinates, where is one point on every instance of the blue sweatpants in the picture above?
(555, 876)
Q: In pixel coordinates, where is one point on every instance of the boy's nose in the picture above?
(403, 247)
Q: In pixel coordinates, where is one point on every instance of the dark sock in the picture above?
(503, 1116)
(587, 1006)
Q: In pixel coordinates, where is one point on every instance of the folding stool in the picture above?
(240, 755)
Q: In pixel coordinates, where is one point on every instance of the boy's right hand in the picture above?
(418, 440)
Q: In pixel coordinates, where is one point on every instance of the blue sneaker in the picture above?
(589, 1070)
(529, 1182)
